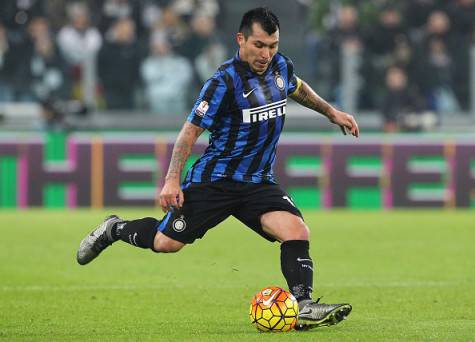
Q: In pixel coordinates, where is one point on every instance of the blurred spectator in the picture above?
(400, 104)
(118, 65)
(5, 89)
(438, 25)
(167, 78)
(47, 66)
(462, 16)
(78, 38)
(17, 14)
(443, 61)
(109, 11)
(78, 41)
(417, 12)
(203, 48)
(436, 77)
(151, 12)
(15, 67)
(209, 60)
(381, 42)
(170, 27)
(384, 35)
(199, 37)
(347, 29)
(346, 34)
(55, 11)
(38, 28)
(190, 8)
(403, 56)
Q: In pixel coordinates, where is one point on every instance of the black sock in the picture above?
(140, 233)
(297, 267)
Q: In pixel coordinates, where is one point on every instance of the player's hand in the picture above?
(171, 195)
(346, 122)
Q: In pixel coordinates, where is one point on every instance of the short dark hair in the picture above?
(261, 15)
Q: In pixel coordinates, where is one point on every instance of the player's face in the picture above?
(259, 48)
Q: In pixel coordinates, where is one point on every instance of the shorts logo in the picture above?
(179, 224)
(202, 108)
(279, 82)
(287, 198)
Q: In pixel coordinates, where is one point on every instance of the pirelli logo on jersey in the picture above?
(263, 113)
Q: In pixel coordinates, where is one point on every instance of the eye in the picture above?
(259, 45)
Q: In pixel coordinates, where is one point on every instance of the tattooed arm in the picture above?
(307, 97)
(171, 194)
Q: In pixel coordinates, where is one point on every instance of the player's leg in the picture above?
(297, 268)
(296, 263)
(270, 212)
(165, 244)
(204, 207)
(140, 233)
(145, 233)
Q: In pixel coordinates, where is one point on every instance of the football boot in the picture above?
(98, 240)
(315, 314)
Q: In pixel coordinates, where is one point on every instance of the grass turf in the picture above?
(410, 275)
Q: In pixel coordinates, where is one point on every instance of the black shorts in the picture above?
(208, 204)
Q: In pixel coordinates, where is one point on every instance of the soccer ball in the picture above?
(274, 309)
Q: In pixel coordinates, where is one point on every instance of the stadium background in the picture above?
(117, 69)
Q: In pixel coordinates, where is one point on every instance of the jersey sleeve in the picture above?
(293, 81)
(207, 105)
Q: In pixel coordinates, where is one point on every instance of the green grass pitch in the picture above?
(410, 276)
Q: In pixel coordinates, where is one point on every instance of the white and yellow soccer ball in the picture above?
(274, 309)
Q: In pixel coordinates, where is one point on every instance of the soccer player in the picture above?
(243, 106)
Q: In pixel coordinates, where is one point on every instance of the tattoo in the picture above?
(181, 151)
(310, 99)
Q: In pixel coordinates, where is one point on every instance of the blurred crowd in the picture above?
(144, 54)
(413, 55)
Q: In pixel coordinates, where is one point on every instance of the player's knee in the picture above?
(163, 244)
(301, 232)
(298, 231)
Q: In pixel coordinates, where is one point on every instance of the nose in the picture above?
(265, 53)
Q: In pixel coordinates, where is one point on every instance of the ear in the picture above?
(240, 39)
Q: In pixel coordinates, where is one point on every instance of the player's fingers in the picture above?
(166, 201)
(354, 129)
(343, 129)
(163, 204)
(357, 131)
(173, 202)
(352, 126)
(181, 199)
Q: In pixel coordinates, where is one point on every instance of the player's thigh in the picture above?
(205, 206)
(284, 226)
(262, 199)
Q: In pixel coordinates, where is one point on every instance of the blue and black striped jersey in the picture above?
(244, 113)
